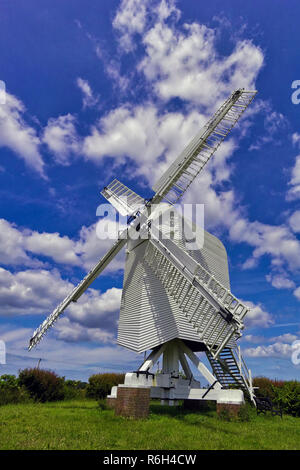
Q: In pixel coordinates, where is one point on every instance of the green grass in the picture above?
(83, 425)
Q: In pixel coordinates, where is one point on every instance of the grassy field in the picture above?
(83, 425)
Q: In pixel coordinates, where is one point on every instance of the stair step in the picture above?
(227, 372)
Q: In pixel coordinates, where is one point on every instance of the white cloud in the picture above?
(17, 135)
(285, 338)
(294, 192)
(166, 8)
(60, 249)
(88, 98)
(61, 138)
(59, 352)
(92, 249)
(297, 293)
(9, 334)
(129, 20)
(296, 138)
(12, 250)
(253, 338)
(276, 241)
(17, 246)
(40, 291)
(274, 124)
(186, 64)
(279, 350)
(257, 317)
(68, 331)
(141, 134)
(280, 281)
(294, 221)
(95, 310)
(31, 291)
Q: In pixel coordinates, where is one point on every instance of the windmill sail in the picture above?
(182, 172)
(122, 198)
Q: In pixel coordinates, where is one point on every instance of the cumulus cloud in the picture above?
(142, 135)
(59, 352)
(185, 64)
(40, 291)
(253, 339)
(294, 183)
(69, 331)
(274, 124)
(12, 250)
(294, 221)
(17, 135)
(279, 350)
(61, 137)
(297, 293)
(60, 249)
(95, 310)
(18, 245)
(280, 281)
(92, 249)
(129, 20)
(257, 317)
(33, 291)
(285, 338)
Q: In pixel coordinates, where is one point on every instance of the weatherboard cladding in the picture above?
(149, 316)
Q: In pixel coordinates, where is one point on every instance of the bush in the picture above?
(102, 404)
(266, 387)
(285, 394)
(100, 385)
(11, 391)
(244, 412)
(74, 389)
(42, 385)
(288, 397)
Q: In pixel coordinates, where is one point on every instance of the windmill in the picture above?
(176, 301)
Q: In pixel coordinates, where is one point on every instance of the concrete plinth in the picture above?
(132, 402)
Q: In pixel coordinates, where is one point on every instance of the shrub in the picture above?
(42, 385)
(100, 385)
(11, 391)
(288, 397)
(103, 405)
(74, 389)
(286, 394)
(266, 387)
(225, 415)
(244, 412)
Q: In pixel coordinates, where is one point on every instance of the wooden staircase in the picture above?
(230, 370)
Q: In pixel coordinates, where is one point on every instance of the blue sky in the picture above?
(97, 90)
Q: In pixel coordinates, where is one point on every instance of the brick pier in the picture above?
(232, 409)
(132, 402)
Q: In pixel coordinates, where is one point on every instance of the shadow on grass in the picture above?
(88, 405)
(199, 418)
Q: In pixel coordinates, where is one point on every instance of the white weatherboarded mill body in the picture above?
(176, 297)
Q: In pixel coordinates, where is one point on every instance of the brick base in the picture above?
(231, 408)
(132, 402)
(111, 402)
